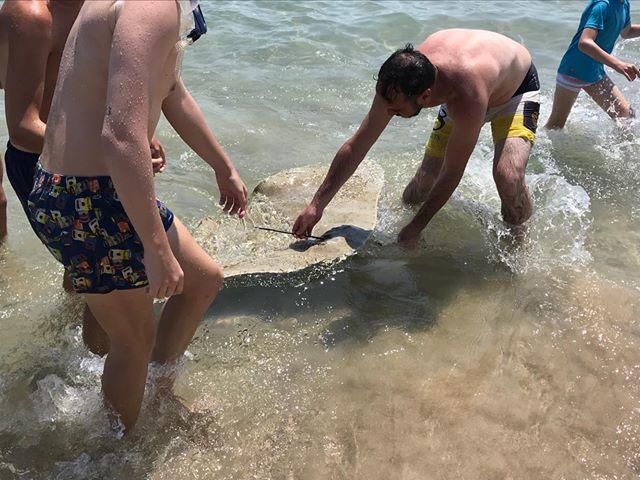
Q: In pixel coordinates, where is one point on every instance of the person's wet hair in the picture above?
(406, 71)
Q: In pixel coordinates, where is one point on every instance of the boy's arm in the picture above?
(588, 46)
(630, 31)
(144, 35)
(184, 115)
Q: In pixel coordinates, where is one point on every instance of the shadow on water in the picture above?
(382, 288)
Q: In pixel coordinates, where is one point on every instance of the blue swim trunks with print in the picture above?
(84, 226)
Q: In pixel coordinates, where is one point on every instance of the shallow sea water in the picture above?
(467, 359)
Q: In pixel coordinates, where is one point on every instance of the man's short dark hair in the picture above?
(406, 71)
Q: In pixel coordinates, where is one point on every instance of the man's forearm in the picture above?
(440, 193)
(28, 137)
(344, 164)
(132, 177)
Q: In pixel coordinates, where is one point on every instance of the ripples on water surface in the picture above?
(469, 358)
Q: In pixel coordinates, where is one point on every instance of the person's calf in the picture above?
(182, 314)
(93, 335)
(123, 382)
(621, 112)
(517, 205)
(128, 318)
(3, 214)
(518, 208)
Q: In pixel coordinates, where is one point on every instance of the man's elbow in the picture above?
(624, 34)
(117, 142)
(27, 137)
(346, 151)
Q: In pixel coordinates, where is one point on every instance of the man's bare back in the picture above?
(477, 62)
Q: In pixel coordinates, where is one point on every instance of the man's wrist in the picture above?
(419, 222)
(317, 204)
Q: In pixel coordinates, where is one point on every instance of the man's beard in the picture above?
(418, 110)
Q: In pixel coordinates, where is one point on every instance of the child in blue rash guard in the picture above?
(582, 67)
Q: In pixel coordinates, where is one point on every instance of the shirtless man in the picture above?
(93, 202)
(477, 77)
(32, 37)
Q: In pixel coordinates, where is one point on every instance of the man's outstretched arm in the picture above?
(184, 115)
(344, 164)
(462, 141)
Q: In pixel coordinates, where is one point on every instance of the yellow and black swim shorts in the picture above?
(516, 118)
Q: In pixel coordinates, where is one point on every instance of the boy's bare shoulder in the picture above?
(26, 19)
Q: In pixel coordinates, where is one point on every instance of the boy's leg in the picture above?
(183, 313)
(93, 335)
(509, 165)
(563, 100)
(128, 318)
(610, 98)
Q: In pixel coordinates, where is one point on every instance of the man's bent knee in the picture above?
(516, 203)
(208, 285)
(214, 280)
(419, 186)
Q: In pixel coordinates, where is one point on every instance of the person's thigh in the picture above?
(609, 97)
(127, 316)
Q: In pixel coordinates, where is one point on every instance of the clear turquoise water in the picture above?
(465, 359)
